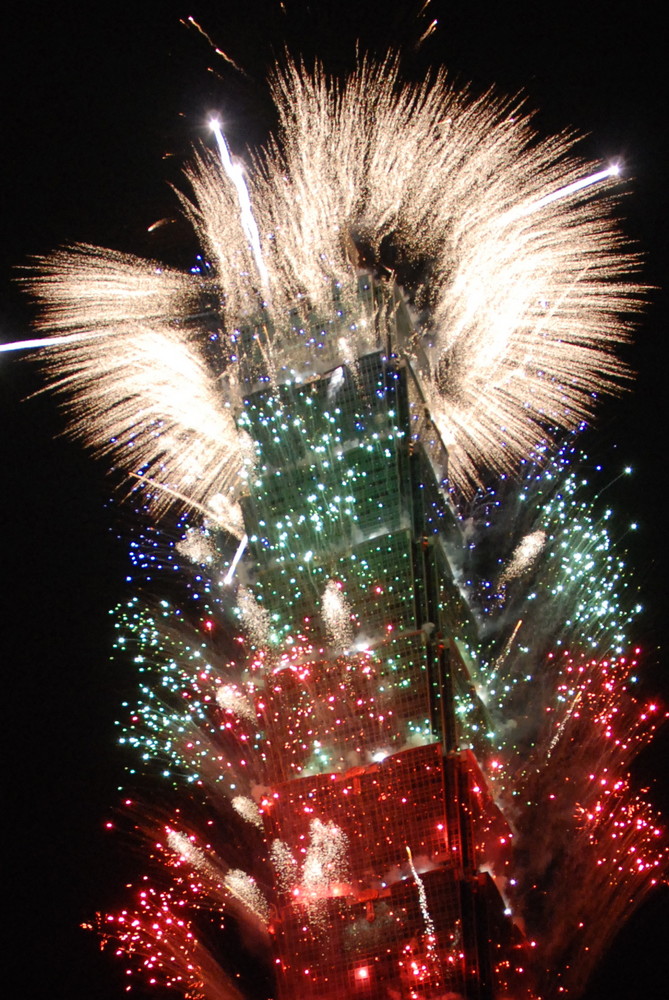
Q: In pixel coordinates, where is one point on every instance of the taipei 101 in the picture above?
(337, 661)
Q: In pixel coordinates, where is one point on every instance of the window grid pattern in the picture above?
(387, 919)
(348, 487)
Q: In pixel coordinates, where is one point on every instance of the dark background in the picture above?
(100, 106)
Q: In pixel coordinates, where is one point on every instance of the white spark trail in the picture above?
(227, 580)
(39, 342)
(573, 188)
(249, 225)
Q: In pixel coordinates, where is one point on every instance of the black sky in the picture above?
(101, 105)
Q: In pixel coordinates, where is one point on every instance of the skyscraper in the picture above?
(377, 815)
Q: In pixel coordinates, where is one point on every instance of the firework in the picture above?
(520, 309)
(325, 689)
(336, 615)
(161, 943)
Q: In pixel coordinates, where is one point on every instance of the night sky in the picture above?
(101, 106)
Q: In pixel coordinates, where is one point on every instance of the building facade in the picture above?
(381, 829)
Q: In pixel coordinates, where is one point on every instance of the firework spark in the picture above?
(256, 619)
(519, 310)
(163, 945)
(524, 556)
(336, 615)
(576, 782)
